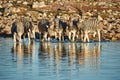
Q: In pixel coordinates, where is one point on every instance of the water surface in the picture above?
(59, 61)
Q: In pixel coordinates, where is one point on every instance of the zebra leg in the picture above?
(82, 36)
(14, 37)
(28, 36)
(33, 34)
(20, 37)
(55, 35)
(85, 37)
(45, 37)
(69, 36)
(73, 37)
(63, 38)
(24, 37)
(59, 36)
(99, 37)
(49, 38)
(40, 36)
(94, 34)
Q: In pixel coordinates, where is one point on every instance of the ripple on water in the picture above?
(59, 61)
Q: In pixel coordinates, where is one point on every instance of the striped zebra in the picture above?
(17, 30)
(29, 29)
(90, 25)
(43, 29)
(58, 29)
(72, 30)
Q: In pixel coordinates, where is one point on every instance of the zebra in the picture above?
(52, 30)
(29, 28)
(43, 25)
(72, 30)
(17, 30)
(58, 29)
(90, 25)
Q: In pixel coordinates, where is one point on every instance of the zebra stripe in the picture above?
(90, 24)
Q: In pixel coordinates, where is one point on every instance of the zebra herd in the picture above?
(57, 28)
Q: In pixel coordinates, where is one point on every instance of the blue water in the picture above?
(59, 61)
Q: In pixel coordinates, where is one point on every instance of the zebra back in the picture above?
(20, 27)
(27, 24)
(90, 24)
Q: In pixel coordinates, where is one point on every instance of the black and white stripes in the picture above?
(90, 25)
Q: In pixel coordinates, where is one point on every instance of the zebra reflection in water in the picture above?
(89, 55)
(23, 50)
(76, 52)
(72, 54)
